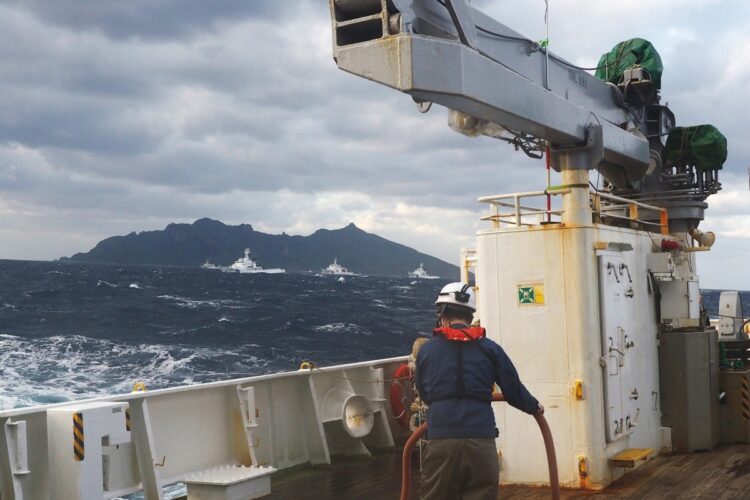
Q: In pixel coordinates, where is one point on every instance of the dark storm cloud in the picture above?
(47, 119)
(253, 107)
(164, 19)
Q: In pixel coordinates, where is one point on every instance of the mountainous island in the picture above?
(192, 244)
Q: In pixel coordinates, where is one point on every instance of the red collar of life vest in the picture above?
(467, 334)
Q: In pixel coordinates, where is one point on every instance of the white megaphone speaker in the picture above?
(706, 239)
(354, 411)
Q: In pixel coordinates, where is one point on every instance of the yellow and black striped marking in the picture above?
(78, 444)
(745, 397)
(127, 419)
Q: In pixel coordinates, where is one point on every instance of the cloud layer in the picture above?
(124, 116)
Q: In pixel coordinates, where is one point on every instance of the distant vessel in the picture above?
(422, 274)
(208, 265)
(336, 269)
(248, 265)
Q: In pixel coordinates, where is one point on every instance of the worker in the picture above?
(456, 372)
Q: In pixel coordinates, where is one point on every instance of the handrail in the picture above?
(520, 211)
(549, 445)
(632, 206)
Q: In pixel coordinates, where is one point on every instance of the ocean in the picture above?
(71, 331)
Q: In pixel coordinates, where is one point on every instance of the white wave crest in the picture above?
(64, 368)
(342, 328)
(193, 303)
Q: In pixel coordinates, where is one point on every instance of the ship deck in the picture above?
(723, 473)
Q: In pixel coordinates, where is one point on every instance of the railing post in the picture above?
(633, 212)
(517, 202)
(664, 221)
(596, 207)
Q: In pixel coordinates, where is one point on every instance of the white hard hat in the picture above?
(458, 294)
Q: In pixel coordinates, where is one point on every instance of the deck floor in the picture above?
(723, 473)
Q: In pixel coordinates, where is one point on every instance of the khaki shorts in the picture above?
(460, 469)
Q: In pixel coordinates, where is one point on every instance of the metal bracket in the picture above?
(14, 464)
(145, 450)
(461, 17)
(582, 156)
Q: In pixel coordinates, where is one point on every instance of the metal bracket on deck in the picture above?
(145, 449)
(14, 464)
(249, 419)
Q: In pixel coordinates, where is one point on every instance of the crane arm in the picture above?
(449, 53)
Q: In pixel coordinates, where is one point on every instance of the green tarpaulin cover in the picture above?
(702, 145)
(625, 55)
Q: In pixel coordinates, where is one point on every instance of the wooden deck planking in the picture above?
(721, 473)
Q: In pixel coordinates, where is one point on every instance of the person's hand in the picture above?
(540, 410)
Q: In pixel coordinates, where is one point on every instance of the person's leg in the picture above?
(440, 465)
(480, 470)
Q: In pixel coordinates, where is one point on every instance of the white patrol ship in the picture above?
(420, 273)
(247, 265)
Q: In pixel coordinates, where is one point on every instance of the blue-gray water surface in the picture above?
(69, 331)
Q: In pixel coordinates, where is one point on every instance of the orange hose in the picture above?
(549, 446)
(406, 460)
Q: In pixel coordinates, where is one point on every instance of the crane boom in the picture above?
(450, 53)
(498, 83)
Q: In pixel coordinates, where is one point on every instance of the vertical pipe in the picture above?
(546, 49)
(576, 207)
(464, 266)
(549, 196)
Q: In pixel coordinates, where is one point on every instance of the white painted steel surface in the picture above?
(731, 317)
(558, 342)
(283, 421)
(230, 482)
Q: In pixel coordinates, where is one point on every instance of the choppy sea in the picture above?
(70, 331)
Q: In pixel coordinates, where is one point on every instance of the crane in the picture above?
(499, 83)
(581, 300)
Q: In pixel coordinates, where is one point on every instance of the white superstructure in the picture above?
(576, 298)
(420, 273)
(337, 269)
(209, 265)
(248, 265)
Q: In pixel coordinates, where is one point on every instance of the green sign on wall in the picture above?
(531, 294)
(525, 294)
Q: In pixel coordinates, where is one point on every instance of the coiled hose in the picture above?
(549, 445)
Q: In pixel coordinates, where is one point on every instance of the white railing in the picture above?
(605, 207)
(521, 214)
(629, 207)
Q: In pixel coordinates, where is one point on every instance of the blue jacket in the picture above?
(459, 406)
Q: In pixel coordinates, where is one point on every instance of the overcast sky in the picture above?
(119, 116)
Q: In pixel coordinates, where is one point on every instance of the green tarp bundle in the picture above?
(627, 54)
(702, 145)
